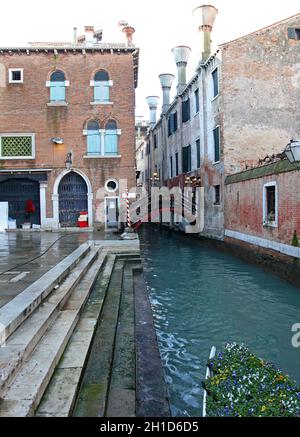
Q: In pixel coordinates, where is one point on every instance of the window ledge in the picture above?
(57, 104)
(17, 158)
(101, 103)
(216, 97)
(270, 225)
(216, 162)
(102, 157)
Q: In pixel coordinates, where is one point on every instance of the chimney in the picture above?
(206, 16)
(166, 81)
(74, 35)
(153, 103)
(89, 35)
(181, 56)
(129, 31)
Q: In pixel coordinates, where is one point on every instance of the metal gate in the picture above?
(17, 192)
(72, 199)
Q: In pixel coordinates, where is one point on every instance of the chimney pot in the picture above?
(181, 56)
(166, 81)
(89, 35)
(75, 35)
(206, 16)
(152, 103)
(129, 31)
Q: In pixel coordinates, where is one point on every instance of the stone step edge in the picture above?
(41, 319)
(73, 375)
(17, 310)
(100, 331)
(27, 407)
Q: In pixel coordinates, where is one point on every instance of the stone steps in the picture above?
(37, 346)
(22, 342)
(60, 396)
(13, 314)
(122, 390)
(93, 392)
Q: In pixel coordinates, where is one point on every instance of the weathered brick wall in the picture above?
(23, 109)
(244, 207)
(260, 89)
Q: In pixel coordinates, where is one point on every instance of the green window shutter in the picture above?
(184, 160)
(198, 154)
(217, 144)
(291, 33)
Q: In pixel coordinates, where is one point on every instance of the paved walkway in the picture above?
(25, 257)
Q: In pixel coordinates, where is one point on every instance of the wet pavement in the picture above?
(26, 257)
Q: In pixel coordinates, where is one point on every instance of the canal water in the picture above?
(203, 297)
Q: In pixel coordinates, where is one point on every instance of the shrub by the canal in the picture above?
(243, 385)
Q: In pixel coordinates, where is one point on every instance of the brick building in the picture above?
(262, 208)
(239, 107)
(67, 128)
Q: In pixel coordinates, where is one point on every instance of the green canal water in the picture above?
(203, 297)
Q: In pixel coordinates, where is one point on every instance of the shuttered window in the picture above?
(186, 111)
(57, 87)
(216, 135)
(215, 78)
(171, 167)
(93, 139)
(176, 164)
(101, 87)
(101, 92)
(198, 153)
(197, 102)
(186, 160)
(293, 33)
(111, 139)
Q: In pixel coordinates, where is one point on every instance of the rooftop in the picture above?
(270, 26)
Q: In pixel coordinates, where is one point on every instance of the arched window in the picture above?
(101, 86)
(57, 87)
(93, 138)
(111, 138)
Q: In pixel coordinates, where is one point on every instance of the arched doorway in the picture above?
(17, 192)
(73, 199)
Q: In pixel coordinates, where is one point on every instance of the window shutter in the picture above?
(291, 33)
(217, 144)
(111, 142)
(184, 160)
(57, 92)
(198, 154)
(175, 121)
(93, 143)
(101, 92)
(189, 159)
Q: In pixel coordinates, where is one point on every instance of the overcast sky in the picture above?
(160, 25)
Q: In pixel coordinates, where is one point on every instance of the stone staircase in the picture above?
(70, 347)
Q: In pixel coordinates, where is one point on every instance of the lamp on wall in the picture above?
(292, 152)
(69, 161)
(57, 140)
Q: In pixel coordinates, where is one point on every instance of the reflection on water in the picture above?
(203, 297)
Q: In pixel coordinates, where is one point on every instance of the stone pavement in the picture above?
(27, 256)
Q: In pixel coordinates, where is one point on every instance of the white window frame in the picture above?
(10, 75)
(16, 158)
(266, 222)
